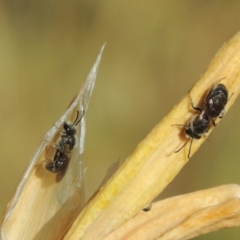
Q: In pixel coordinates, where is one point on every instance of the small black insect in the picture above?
(197, 127)
(68, 135)
(214, 107)
(59, 163)
(64, 147)
(216, 101)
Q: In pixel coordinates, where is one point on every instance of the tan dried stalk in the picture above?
(185, 216)
(42, 206)
(153, 165)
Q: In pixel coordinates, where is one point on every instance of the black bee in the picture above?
(214, 107)
(197, 127)
(216, 101)
(64, 147)
(68, 135)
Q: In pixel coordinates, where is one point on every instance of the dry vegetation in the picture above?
(154, 54)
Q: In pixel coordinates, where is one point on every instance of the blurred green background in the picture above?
(155, 52)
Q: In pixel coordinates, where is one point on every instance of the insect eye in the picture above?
(66, 126)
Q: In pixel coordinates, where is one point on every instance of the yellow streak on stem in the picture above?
(153, 165)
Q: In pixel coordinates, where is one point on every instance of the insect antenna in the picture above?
(79, 118)
(76, 122)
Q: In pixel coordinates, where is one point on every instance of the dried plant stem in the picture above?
(185, 216)
(42, 206)
(153, 164)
